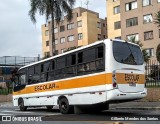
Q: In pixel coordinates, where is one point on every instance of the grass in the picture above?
(5, 91)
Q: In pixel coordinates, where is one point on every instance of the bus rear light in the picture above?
(115, 85)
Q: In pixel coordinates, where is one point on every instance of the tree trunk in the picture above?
(53, 45)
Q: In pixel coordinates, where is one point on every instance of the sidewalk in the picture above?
(6, 104)
(137, 105)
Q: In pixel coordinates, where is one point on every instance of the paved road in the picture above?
(54, 115)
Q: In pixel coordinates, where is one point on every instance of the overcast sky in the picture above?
(19, 36)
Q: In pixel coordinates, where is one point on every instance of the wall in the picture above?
(44, 39)
(111, 18)
(5, 98)
(141, 27)
(153, 95)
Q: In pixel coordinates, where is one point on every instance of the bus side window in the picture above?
(100, 52)
(80, 57)
(100, 59)
(73, 59)
(42, 67)
(60, 67)
(22, 77)
(70, 70)
(53, 65)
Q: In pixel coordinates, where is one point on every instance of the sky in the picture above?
(19, 36)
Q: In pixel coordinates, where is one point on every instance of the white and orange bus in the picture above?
(101, 73)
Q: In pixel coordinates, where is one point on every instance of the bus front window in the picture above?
(127, 53)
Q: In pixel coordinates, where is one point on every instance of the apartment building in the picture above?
(134, 18)
(85, 28)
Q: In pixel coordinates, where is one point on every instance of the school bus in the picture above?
(101, 73)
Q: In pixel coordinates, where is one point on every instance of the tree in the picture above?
(54, 9)
(157, 22)
(145, 54)
(157, 19)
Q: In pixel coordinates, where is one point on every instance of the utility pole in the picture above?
(87, 3)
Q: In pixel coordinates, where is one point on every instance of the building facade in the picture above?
(134, 18)
(85, 28)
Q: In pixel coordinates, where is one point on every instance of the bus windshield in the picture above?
(127, 53)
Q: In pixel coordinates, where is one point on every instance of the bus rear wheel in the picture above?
(64, 106)
(21, 105)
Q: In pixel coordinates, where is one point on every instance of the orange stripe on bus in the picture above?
(96, 80)
(69, 84)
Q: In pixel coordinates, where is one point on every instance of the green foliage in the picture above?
(54, 10)
(157, 19)
(49, 8)
(145, 54)
(5, 91)
(158, 53)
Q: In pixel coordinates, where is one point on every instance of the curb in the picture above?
(139, 108)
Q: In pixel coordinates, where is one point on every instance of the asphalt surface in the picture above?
(117, 112)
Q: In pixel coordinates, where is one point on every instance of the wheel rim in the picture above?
(64, 106)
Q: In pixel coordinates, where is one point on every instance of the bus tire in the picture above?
(64, 106)
(49, 107)
(21, 105)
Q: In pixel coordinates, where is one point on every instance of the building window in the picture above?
(63, 50)
(114, 0)
(56, 41)
(131, 36)
(147, 18)
(47, 43)
(80, 36)
(70, 26)
(99, 36)
(131, 5)
(118, 37)
(62, 28)
(46, 33)
(98, 25)
(131, 22)
(117, 25)
(104, 36)
(158, 1)
(71, 38)
(147, 2)
(47, 54)
(62, 40)
(148, 35)
(55, 30)
(79, 23)
(150, 51)
(116, 9)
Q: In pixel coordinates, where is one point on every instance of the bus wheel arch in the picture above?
(64, 106)
(21, 104)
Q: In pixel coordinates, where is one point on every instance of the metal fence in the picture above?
(8, 64)
(152, 74)
(17, 60)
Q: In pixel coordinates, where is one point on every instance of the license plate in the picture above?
(132, 84)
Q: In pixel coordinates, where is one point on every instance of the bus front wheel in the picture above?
(21, 105)
(64, 106)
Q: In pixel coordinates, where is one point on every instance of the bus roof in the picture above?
(75, 50)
